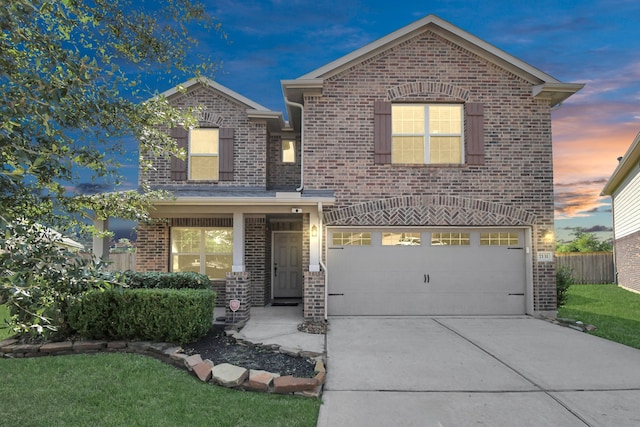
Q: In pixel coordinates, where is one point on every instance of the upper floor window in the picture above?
(288, 151)
(209, 154)
(203, 154)
(423, 134)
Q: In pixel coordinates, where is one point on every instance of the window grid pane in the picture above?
(498, 239)
(202, 250)
(407, 149)
(450, 239)
(445, 119)
(203, 141)
(204, 168)
(340, 238)
(445, 149)
(400, 239)
(288, 151)
(426, 134)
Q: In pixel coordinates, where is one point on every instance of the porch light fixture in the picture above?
(547, 236)
(314, 231)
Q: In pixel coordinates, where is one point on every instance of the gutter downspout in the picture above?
(322, 264)
(301, 107)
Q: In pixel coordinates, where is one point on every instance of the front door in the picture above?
(287, 264)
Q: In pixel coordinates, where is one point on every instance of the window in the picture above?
(450, 239)
(288, 151)
(203, 154)
(340, 238)
(498, 239)
(400, 239)
(424, 134)
(202, 250)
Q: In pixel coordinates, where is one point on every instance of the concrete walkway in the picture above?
(460, 371)
(279, 326)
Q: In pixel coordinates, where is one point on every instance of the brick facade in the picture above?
(282, 175)
(238, 288)
(511, 187)
(249, 140)
(627, 249)
(256, 263)
(314, 295)
(516, 179)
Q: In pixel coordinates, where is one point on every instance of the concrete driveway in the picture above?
(460, 371)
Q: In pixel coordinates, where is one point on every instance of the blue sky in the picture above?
(596, 42)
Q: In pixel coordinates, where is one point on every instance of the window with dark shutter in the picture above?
(382, 132)
(475, 133)
(226, 154)
(179, 166)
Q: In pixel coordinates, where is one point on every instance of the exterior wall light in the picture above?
(314, 231)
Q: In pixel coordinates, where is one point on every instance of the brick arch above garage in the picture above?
(435, 210)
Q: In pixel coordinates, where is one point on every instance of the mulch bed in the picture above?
(219, 348)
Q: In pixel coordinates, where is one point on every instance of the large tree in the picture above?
(74, 80)
(74, 84)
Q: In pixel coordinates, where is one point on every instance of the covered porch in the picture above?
(273, 249)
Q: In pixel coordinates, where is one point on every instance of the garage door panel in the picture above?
(426, 279)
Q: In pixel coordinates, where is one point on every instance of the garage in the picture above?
(421, 271)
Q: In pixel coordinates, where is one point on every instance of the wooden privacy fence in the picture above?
(588, 267)
(122, 261)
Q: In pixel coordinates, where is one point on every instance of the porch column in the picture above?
(314, 241)
(101, 244)
(238, 242)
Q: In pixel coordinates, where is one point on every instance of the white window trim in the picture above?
(427, 133)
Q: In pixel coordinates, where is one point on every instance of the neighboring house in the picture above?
(414, 177)
(624, 189)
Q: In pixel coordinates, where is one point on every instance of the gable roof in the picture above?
(254, 110)
(629, 162)
(216, 86)
(544, 85)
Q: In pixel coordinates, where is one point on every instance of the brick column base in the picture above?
(314, 295)
(238, 288)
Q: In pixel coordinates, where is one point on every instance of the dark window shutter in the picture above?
(475, 133)
(382, 132)
(178, 166)
(226, 154)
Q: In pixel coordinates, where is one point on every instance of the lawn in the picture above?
(613, 310)
(133, 390)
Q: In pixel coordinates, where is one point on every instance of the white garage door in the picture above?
(426, 272)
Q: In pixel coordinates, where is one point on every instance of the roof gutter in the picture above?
(301, 107)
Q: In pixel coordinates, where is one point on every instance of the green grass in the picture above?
(133, 390)
(613, 310)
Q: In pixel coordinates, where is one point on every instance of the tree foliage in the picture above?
(40, 278)
(585, 242)
(72, 80)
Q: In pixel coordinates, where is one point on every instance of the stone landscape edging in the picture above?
(224, 374)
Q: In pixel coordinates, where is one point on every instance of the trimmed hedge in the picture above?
(168, 315)
(157, 280)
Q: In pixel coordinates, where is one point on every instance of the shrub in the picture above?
(40, 278)
(564, 279)
(146, 314)
(156, 280)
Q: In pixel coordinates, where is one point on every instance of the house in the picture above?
(624, 189)
(413, 177)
